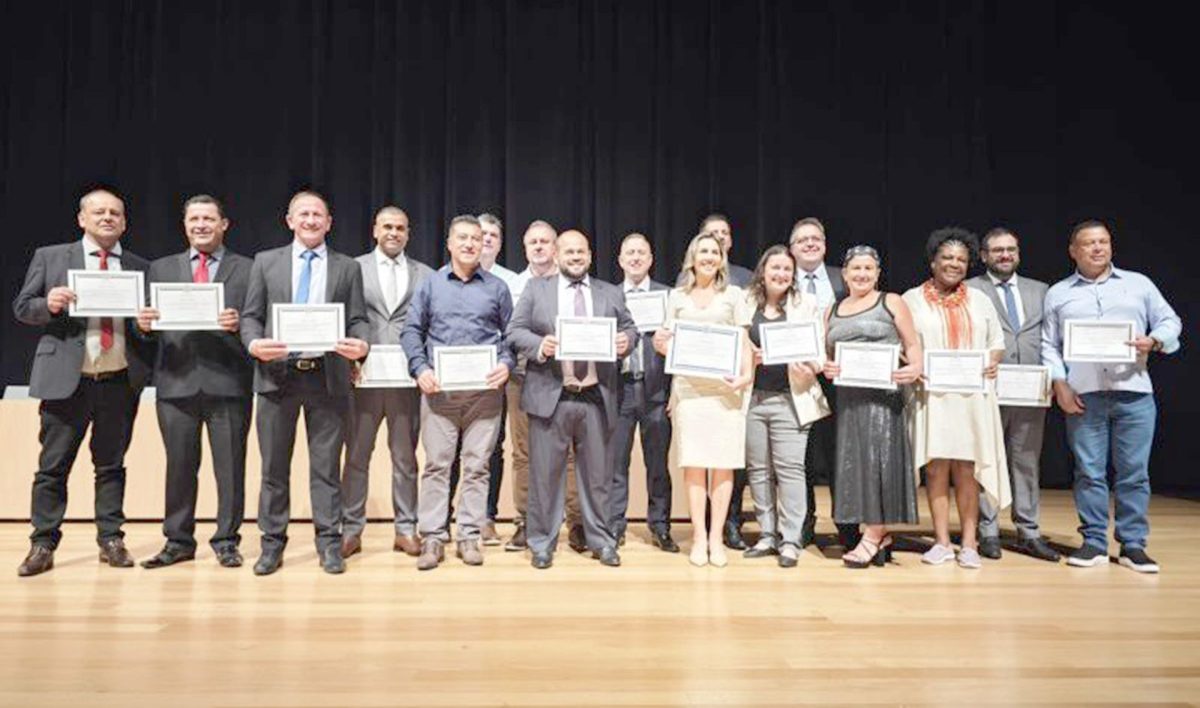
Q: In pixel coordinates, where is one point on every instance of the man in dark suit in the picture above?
(643, 404)
(569, 403)
(807, 245)
(389, 279)
(203, 377)
(304, 271)
(1018, 301)
(87, 371)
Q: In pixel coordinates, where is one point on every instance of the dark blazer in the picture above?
(385, 326)
(657, 383)
(271, 283)
(209, 362)
(60, 350)
(534, 318)
(837, 282)
(1024, 347)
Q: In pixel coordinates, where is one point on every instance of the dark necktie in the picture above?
(1010, 304)
(106, 323)
(579, 368)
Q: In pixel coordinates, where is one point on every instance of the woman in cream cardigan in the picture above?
(784, 402)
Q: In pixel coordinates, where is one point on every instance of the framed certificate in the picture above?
(648, 309)
(308, 328)
(187, 306)
(955, 370)
(586, 338)
(706, 351)
(106, 293)
(866, 365)
(1099, 341)
(1023, 385)
(785, 342)
(463, 368)
(386, 367)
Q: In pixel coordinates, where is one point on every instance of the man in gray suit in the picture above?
(1018, 300)
(88, 372)
(643, 405)
(203, 377)
(569, 403)
(389, 279)
(304, 271)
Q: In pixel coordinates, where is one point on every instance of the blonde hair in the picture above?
(688, 272)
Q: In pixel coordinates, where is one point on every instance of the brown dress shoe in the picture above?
(115, 554)
(351, 545)
(469, 552)
(488, 534)
(39, 560)
(407, 544)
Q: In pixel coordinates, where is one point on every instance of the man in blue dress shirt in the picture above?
(460, 305)
(1110, 407)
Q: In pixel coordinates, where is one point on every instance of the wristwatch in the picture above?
(1158, 345)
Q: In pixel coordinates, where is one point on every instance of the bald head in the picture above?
(574, 254)
(391, 230)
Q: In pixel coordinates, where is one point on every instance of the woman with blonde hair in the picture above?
(708, 415)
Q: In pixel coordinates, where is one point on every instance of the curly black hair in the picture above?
(950, 234)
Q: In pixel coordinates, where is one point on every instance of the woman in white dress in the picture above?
(957, 435)
(708, 415)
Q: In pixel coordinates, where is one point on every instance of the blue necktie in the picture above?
(1010, 304)
(305, 278)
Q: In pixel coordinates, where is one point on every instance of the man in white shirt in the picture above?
(389, 279)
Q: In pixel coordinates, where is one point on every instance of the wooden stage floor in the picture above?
(653, 632)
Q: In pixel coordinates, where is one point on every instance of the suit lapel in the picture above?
(332, 271)
(408, 291)
(372, 287)
(75, 257)
(1027, 302)
(1001, 309)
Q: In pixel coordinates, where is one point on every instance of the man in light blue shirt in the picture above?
(1109, 406)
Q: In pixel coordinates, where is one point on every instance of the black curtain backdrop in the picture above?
(884, 119)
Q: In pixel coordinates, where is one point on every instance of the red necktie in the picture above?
(106, 323)
(201, 274)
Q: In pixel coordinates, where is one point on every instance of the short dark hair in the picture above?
(806, 221)
(715, 216)
(205, 199)
(951, 234)
(996, 232)
(1084, 226)
(462, 219)
(636, 234)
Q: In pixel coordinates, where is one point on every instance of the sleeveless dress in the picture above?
(873, 474)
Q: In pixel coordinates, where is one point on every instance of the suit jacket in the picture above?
(534, 318)
(210, 362)
(837, 282)
(59, 356)
(271, 283)
(657, 383)
(1025, 346)
(385, 326)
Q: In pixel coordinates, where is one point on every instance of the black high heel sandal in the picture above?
(884, 555)
(872, 549)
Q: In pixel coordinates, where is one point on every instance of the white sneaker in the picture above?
(937, 555)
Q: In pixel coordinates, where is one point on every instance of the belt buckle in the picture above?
(306, 364)
(573, 388)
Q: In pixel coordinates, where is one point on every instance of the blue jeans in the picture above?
(1121, 422)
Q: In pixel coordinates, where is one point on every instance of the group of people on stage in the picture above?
(571, 423)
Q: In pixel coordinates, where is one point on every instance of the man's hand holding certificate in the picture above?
(648, 309)
(104, 293)
(1023, 385)
(586, 339)
(309, 328)
(185, 306)
(386, 367)
(1100, 341)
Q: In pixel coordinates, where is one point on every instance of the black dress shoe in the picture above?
(577, 539)
(733, 537)
(1038, 548)
(808, 535)
(608, 556)
(39, 560)
(170, 555)
(663, 540)
(620, 539)
(542, 561)
(331, 559)
(760, 550)
(269, 562)
(115, 554)
(229, 557)
(989, 547)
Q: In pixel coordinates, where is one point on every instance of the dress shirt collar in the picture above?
(91, 248)
(382, 259)
(476, 274)
(216, 255)
(1000, 283)
(299, 248)
(1113, 272)
(819, 271)
(564, 282)
(643, 286)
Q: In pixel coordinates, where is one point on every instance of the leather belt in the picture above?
(636, 378)
(104, 375)
(305, 365)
